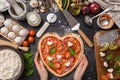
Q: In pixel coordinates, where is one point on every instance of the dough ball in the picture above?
(8, 23)
(4, 30)
(11, 35)
(18, 40)
(15, 28)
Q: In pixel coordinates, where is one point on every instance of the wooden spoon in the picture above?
(7, 43)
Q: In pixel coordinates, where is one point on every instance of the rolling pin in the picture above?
(7, 43)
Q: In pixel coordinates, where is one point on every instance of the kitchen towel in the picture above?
(116, 11)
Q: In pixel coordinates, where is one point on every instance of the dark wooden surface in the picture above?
(90, 73)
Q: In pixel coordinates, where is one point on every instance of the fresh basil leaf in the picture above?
(108, 56)
(29, 72)
(27, 54)
(51, 64)
(28, 59)
(116, 66)
(72, 51)
(53, 50)
(117, 58)
(117, 72)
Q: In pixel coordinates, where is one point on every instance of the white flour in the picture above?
(10, 64)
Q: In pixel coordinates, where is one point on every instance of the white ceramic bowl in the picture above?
(14, 16)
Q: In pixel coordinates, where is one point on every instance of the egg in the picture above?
(18, 40)
(4, 30)
(23, 32)
(8, 23)
(15, 28)
(11, 35)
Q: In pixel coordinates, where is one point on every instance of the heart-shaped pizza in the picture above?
(60, 54)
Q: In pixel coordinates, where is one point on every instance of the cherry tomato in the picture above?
(67, 55)
(25, 43)
(31, 32)
(31, 39)
(56, 65)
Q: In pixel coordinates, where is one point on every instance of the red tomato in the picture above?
(32, 32)
(67, 55)
(31, 39)
(25, 43)
(56, 65)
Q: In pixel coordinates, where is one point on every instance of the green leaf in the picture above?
(108, 56)
(117, 58)
(51, 64)
(72, 51)
(117, 72)
(27, 54)
(29, 72)
(28, 59)
(116, 67)
(53, 50)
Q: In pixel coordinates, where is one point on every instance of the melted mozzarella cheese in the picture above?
(111, 76)
(110, 70)
(102, 54)
(49, 43)
(70, 44)
(59, 56)
(105, 64)
(50, 58)
(67, 64)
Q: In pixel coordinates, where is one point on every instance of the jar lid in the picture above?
(32, 17)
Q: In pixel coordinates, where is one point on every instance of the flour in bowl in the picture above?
(10, 64)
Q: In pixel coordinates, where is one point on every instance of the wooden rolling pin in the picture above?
(85, 38)
(7, 43)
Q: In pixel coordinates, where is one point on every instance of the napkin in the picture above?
(115, 12)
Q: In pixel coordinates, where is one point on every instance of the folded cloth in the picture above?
(116, 11)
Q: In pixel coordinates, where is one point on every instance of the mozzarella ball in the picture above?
(23, 32)
(18, 40)
(4, 30)
(8, 23)
(15, 28)
(11, 35)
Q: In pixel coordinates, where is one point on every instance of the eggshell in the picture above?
(11, 35)
(4, 30)
(18, 40)
(23, 32)
(8, 23)
(15, 28)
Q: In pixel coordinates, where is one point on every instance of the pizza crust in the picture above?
(57, 36)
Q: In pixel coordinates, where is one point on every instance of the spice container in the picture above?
(105, 21)
(33, 19)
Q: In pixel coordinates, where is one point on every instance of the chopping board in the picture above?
(101, 70)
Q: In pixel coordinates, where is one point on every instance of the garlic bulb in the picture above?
(34, 3)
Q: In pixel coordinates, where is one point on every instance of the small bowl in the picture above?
(5, 5)
(14, 15)
(105, 16)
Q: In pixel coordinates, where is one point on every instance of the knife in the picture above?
(7, 43)
(74, 25)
